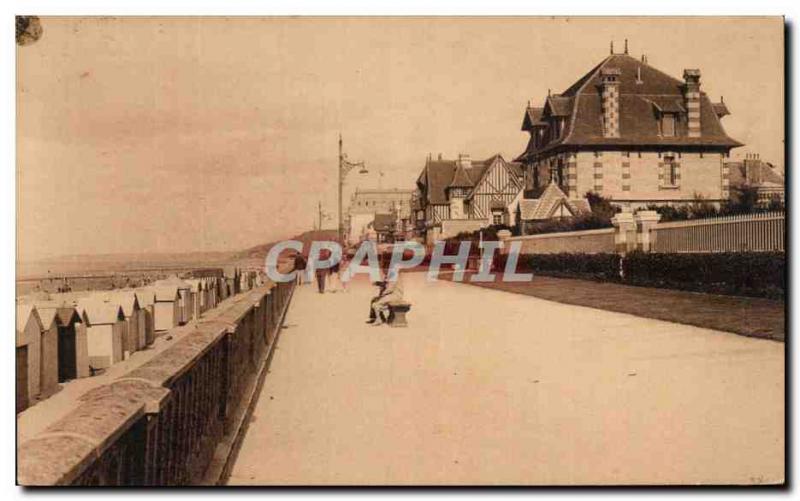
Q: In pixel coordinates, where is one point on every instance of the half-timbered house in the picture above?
(465, 195)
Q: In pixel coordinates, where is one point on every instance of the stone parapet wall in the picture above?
(163, 422)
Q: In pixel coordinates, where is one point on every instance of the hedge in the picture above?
(757, 274)
(760, 274)
(572, 265)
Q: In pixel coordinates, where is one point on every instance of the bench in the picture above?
(397, 313)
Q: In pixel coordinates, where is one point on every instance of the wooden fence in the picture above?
(751, 233)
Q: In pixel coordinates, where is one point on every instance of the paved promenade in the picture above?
(488, 387)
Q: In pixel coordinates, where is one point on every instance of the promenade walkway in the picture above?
(487, 387)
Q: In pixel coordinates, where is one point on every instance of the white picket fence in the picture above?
(752, 232)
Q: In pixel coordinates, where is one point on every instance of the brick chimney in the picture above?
(691, 96)
(609, 78)
(464, 161)
(752, 168)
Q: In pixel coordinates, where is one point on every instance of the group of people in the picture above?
(389, 287)
(328, 279)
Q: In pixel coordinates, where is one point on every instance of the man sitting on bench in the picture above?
(391, 290)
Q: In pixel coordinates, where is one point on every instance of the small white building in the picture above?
(147, 300)
(185, 297)
(28, 352)
(167, 309)
(134, 335)
(48, 352)
(73, 355)
(105, 328)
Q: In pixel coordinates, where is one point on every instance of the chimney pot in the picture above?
(626, 46)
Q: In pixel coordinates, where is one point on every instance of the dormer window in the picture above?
(668, 121)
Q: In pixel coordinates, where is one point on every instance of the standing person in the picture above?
(335, 278)
(300, 267)
(342, 270)
(321, 273)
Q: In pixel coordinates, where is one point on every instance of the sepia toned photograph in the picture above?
(400, 251)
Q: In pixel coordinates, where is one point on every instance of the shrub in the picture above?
(574, 265)
(744, 200)
(757, 274)
(741, 273)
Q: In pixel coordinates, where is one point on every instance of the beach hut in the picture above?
(147, 300)
(134, 336)
(28, 340)
(198, 296)
(186, 297)
(105, 327)
(211, 291)
(166, 307)
(48, 352)
(73, 355)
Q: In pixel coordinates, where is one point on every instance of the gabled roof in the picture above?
(126, 299)
(461, 179)
(527, 208)
(48, 316)
(439, 175)
(166, 292)
(146, 297)
(558, 106)
(25, 312)
(551, 198)
(737, 174)
(62, 314)
(99, 312)
(533, 118)
(639, 99)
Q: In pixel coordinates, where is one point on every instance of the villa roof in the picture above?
(643, 91)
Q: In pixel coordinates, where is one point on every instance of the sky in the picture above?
(204, 134)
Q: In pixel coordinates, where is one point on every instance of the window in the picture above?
(668, 125)
(670, 173)
(497, 218)
(557, 173)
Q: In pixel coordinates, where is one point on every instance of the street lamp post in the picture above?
(345, 167)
